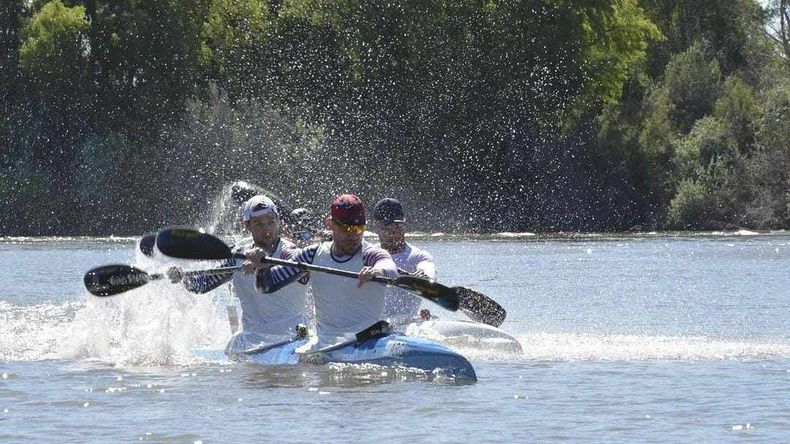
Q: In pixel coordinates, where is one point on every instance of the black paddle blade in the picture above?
(480, 307)
(436, 292)
(187, 243)
(147, 244)
(110, 280)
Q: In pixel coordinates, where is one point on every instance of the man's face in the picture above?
(347, 238)
(264, 229)
(391, 235)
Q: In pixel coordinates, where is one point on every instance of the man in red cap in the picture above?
(343, 306)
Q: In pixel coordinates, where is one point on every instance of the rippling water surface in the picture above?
(626, 338)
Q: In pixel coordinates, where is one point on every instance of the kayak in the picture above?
(387, 349)
(460, 334)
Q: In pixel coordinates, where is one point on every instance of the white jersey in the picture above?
(342, 308)
(265, 318)
(400, 305)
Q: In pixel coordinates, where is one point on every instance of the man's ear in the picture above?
(328, 223)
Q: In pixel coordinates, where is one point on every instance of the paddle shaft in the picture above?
(187, 243)
(219, 271)
(320, 269)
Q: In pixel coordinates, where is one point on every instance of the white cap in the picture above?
(259, 205)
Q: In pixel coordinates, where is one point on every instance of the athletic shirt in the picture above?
(400, 305)
(341, 307)
(265, 318)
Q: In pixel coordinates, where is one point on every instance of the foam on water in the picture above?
(618, 347)
(158, 324)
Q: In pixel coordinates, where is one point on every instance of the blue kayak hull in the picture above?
(385, 350)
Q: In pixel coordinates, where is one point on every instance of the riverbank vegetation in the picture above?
(541, 115)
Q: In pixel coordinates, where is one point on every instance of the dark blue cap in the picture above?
(387, 211)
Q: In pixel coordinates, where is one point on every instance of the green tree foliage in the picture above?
(462, 84)
(730, 27)
(739, 108)
(234, 36)
(689, 206)
(704, 152)
(768, 169)
(55, 53)
(778, 27)
(549, 114)
(145, 56)
(10, 30)
(617, 35)
(692, 84)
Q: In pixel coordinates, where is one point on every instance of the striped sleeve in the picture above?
(269, 280)
(202, 283)
(425, 263)
(380, 258)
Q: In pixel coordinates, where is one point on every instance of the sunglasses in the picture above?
(349, 228)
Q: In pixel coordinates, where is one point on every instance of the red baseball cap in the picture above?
(348, 209)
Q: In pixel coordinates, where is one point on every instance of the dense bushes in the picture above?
(122, 116)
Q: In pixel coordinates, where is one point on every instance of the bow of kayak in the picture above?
(406, 351)
(480, 338)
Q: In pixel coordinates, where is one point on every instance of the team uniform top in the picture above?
(341, 307)
(400, 305)
(267, 318)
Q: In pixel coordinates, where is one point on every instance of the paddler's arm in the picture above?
(426, 268)
(377, 262)
(200, 283)
(271, 279)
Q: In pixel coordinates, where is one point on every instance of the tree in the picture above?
(730, 27)
(55, 53)
(145, 60)
(10, 14)
(778, 27)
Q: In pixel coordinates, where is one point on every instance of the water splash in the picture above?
(155, 326)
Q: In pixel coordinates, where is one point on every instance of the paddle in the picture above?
(146, 244)
(109, 280)
(476, 305)
(187, 243)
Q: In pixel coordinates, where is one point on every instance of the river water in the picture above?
(649, 337)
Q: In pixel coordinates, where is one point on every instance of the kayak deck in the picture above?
(384, 350)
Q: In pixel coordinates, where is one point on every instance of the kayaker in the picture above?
(342, 306)
(389, 223)
(264, 320)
